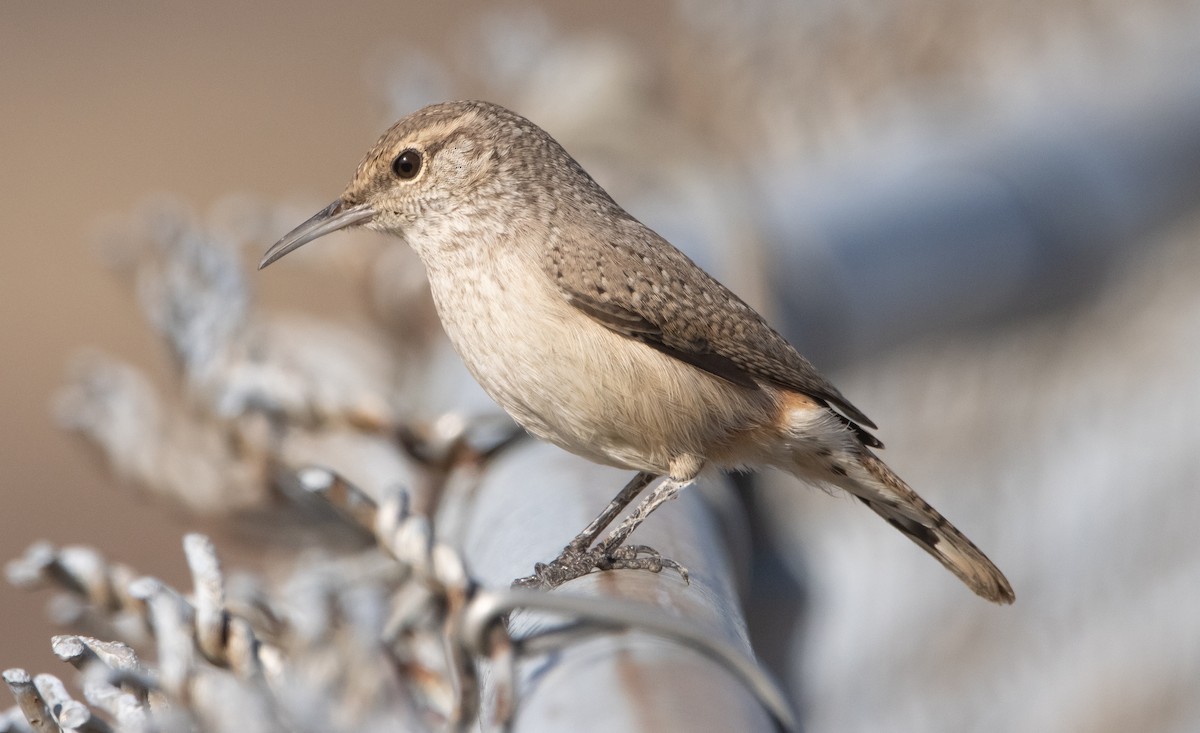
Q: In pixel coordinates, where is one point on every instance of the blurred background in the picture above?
(981, 220)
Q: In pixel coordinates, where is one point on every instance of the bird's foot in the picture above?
(576, 563)
(643, 557)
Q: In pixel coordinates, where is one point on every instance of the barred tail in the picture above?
(888, 496)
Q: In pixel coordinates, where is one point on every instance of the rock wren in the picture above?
(598, 335)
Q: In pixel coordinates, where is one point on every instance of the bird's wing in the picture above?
(637, 284)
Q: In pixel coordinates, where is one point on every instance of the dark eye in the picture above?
(407, 164)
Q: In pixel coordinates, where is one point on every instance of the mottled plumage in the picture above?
(634, 282)
(597, 335)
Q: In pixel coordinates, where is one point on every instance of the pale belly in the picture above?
(574, 383)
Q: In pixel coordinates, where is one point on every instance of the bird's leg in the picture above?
(663, 493)
(589, 534)
(577, 560)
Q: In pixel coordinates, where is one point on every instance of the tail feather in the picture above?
(889, 497)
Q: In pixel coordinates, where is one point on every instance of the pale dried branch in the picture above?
(208, 595)
(83, 651)
(68, 713)
(30, 701)
(130, 714)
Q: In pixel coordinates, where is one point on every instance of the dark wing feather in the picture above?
(628, 323)
(637, 284)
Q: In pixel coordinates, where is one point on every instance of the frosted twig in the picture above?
(80, 569)
(224, 642)
(68, 713)
(171, 619)
(105, 662)
(31, 703)
(128, 712)
(208, 597)
(356, 506)
(82, 651)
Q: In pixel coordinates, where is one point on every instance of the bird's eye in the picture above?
(407, 164)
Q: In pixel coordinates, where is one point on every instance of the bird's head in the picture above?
(432, 164)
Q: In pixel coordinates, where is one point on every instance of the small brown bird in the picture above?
(598, 335)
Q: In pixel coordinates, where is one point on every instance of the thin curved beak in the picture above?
(329, 219)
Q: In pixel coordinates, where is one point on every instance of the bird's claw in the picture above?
(575, 563)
